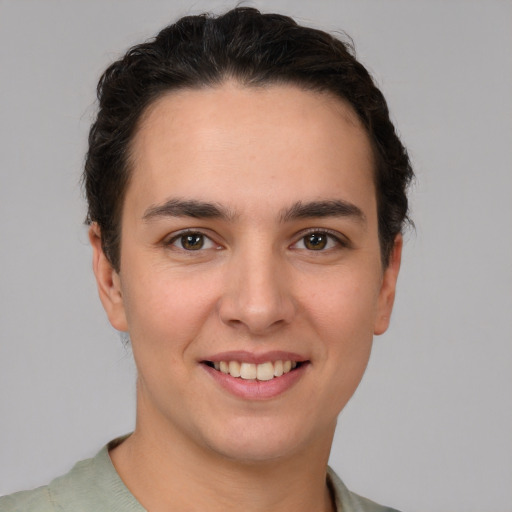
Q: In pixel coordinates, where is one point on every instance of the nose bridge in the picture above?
(257, 293)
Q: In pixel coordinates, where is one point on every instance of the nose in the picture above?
(257, 295)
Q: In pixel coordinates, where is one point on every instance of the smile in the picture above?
(250, 371)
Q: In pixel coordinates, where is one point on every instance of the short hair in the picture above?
(253, 49)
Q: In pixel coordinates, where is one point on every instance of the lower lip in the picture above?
(257, 389)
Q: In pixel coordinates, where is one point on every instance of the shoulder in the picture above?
(59, 495)
(37, 500)
(90, 486)
(348, 501)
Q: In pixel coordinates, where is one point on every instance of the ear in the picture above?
(388, 288)
(108, 282)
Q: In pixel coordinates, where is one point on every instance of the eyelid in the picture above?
(170, 239)
(341, 239)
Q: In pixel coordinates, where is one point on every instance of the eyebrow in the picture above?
(188, 208)
(315, 209)
(299, 210)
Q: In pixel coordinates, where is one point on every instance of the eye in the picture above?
(318, 241)
(192, 241)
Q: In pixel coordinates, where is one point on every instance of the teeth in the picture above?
(234, 368)
(250, 371)
(265, 371)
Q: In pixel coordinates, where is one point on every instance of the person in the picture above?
(247, 198)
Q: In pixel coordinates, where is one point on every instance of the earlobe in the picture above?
(108, 282)
(388, 288)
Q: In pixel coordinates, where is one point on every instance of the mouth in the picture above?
(268, 370)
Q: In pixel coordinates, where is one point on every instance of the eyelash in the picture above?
(339, 240)
(171, 242)
(179, 237)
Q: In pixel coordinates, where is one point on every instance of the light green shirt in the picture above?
(93, 485)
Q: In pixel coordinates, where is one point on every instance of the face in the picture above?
(250, 281)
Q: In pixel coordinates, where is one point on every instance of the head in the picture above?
(254, 50)
(247, 193)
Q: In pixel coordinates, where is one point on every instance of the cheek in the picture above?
(167, 310)
(345, 304)
(343, 315)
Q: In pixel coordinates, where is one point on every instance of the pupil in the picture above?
(192, 242)
(316, 241)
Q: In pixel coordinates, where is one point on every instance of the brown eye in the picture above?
(192, 241)
(319, 241)
(316, 241)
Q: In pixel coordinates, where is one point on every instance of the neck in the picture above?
(165, 470)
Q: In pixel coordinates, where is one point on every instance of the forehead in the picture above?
(243, 146)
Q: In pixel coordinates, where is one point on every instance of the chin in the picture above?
(253, 451)
(256, 441)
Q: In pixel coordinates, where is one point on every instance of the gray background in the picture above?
(430, 428)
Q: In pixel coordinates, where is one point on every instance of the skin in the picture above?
(255, 285)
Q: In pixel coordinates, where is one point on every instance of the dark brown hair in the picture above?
(254, 49)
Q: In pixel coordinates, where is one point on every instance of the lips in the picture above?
(256, 376)
(265, 371)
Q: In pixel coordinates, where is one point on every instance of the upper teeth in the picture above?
(250, 371)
